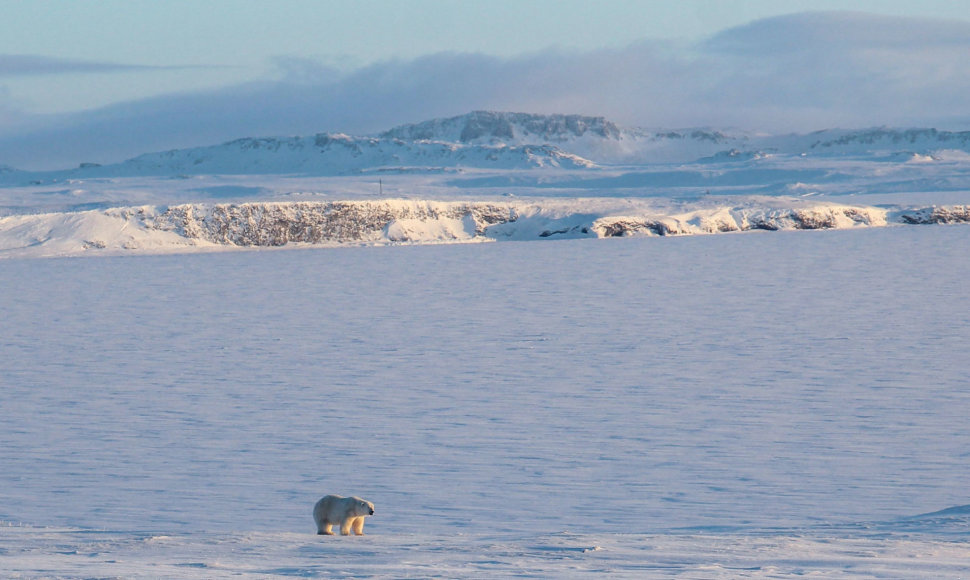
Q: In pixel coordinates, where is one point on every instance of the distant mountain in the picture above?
(490, 127)
(481, 139)
(593, 138)
(514, 141)
(887, 138)
(604, 142)
(338, 154)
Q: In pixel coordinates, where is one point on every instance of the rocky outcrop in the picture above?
(929, 136)
(492, 126)
(741, 219)
(953, 214)
(195, 227)
(278, 224)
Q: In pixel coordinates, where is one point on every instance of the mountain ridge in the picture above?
(505, 127)
(511, 141)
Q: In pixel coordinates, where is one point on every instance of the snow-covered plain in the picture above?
(762, 404)
(757, 405)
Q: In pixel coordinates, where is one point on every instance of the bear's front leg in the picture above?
(359, 526)
(345, 527)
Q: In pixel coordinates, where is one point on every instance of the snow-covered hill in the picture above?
(490, 127)
(891, 139)
(502, 141)
(595, 138)
(338, 154)
(603, 141)
(195, 227)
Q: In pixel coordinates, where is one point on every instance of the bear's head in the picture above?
(362, 507)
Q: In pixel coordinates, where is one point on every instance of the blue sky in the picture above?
(299, 66)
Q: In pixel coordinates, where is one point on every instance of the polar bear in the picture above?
(346, 512)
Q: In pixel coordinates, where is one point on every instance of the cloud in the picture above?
(800, 72)
(18, 65)
(822, 32)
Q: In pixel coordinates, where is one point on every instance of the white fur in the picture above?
(346, 512)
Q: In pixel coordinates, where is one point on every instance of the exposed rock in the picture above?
(278, 224)
(954, 214)
(491, 126)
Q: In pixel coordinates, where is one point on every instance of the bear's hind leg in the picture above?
(359, 526)
(345, 527)
(325, 530)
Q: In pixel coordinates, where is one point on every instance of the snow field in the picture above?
(762, 405)
(54, 553)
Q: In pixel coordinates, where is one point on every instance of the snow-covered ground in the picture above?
(769, 404)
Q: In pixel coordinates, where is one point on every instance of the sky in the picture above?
(103, 81)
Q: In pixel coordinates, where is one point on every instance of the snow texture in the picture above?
(753, 405)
